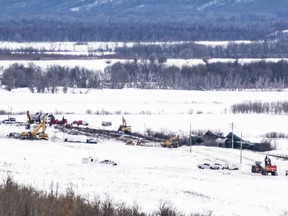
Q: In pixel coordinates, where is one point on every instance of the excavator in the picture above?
(173, 141)
(124, 127)
(34, 134)
(269, 168)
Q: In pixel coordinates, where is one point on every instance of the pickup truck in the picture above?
(10, 120)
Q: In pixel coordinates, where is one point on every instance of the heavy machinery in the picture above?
(124, 127)
(258, 168)
(173, 141)
(33, 134)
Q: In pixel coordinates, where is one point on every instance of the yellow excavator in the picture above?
(34, 134)
(173, 141)
(124, 127)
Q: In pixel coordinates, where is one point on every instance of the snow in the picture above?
(96, 49)
(147, 176)
(92, 45)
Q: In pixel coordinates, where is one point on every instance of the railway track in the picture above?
(131, 137)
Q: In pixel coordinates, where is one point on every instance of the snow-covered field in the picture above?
(103, 48)
(85, 47)
(147, 176)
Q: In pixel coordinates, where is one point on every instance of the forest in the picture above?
(150, 74)
(192, 50)
(105, 29)
(147, 67)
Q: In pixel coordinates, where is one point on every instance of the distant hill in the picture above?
(141, 20)
(176, 9)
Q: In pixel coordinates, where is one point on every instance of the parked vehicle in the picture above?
(79, 122)
(230, 166)
(106, 123)
(204, 166)
(79, 139)
(35, 117)
(109, 162)
(10, 120)
(217, 166)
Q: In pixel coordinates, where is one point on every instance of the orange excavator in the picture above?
(267, 169)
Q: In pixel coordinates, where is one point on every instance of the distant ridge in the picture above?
(178, 9)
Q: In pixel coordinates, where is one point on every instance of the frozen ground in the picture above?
(147, 176)
(105, 48)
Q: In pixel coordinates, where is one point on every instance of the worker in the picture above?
(267, 161)
(63, 120)
(29, 120)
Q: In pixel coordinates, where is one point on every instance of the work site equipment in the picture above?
(173, 141)
(258, 168)
(124, 127)
(34, 134)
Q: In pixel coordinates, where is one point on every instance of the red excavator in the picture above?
(266, 170)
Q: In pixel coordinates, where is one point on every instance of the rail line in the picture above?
(126, 137)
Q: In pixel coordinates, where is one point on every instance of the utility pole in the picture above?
(144, 132)
(241, 149)
(232, 126)
(190, 140)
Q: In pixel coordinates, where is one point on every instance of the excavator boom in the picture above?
(35, 134)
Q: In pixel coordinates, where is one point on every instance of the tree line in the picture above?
(47, 80)
(259, 107)
(152, 74)
(188, 50)
(209, 76)
(166, 29)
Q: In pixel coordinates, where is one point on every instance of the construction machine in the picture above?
(124, 127)
(173, 141)
(258, 168)
(34, 134)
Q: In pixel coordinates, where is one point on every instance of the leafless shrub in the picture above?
(25, 201)
(275, 135)
(88, 111)
(103, 112)
(145, 112)
(166, 209)
(3, 112)
(277, 108)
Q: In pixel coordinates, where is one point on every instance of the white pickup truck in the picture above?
(79, 139)
(231, 166)
(10, 120)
